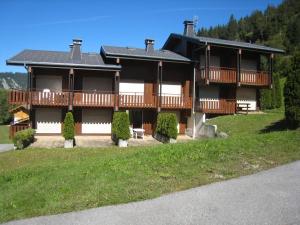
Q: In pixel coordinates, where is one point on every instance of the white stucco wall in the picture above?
(247, 95)
(51, 82)
(96, 121)
(91, 83)
(48, 121)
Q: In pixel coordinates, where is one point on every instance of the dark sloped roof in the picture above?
(129, 52)
(59, 58)
(223, 42)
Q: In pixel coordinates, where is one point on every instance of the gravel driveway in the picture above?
(269, 197)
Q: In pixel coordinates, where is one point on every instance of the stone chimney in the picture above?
(75, 49)
(189, 28)
(149, 45)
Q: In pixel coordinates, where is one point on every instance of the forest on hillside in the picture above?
(277, 26)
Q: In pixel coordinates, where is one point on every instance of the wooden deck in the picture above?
(216, 106)
(98, 99)
(229, 75)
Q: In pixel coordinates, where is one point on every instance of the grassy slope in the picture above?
(39, 181)
(4, 135)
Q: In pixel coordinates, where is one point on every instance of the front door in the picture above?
(136, 118)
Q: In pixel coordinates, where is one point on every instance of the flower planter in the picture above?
(69, 143)
(122, 143)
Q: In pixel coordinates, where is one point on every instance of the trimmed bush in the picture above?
(167, 125)
(120, 126)
(292, 94)
(23, 138)
(68, 130)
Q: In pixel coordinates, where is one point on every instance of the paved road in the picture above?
(269, 197)
(6, 147)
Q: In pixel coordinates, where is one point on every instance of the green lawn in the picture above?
(48, 181)
(4, 134)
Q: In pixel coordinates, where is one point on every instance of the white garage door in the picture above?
(131, 87)
(48, 121)
(52, 82)
(247, 95)
(96, 121)
(171, 89)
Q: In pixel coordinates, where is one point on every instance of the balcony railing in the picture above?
(169, 101)
(216, 106)
(136, 100)
(250, 77)
(57, 98)
(93, 99)
(98, 99)
(218, 75)
(228, 75)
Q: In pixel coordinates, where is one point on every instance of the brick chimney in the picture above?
(75, 49)
(189, 28)
(149, 45)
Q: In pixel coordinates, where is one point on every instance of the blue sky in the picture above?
(51, 25)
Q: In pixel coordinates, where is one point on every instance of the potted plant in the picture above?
(166, 128)
(68, 130)
(120, 129)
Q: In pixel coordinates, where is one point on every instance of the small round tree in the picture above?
(292, 94)
(120, 126)
(68, 131)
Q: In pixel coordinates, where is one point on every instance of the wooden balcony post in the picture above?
(159, 85)
(207, 64)
(271, 70)
(238, 67)
(116, 95)
(70, 89)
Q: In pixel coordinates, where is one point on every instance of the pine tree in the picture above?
(292, 94)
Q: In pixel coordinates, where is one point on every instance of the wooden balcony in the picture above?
(42, 98)
(218, 75)
(249, 77)
(137, 100)
(228, 75)
(176, 102)
(93, 99)
(216, 106)
(98, 99)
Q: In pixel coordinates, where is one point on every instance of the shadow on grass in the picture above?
(280, 125)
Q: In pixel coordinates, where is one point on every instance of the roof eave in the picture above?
(196, 40)
(63, 65)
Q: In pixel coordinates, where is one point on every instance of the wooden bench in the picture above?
(242, 106)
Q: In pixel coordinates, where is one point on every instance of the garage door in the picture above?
(48, 121)
(247, 95)
(96, 121)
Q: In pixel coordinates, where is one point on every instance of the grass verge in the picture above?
(48, 181)
(4, 130)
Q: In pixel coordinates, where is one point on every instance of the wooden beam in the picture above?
(271, 70)
(116, 90)
(207, 64)
(238, 67)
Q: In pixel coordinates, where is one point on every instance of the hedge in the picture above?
(167, 125)
(120, 126)
(23, 138)
(68, 130)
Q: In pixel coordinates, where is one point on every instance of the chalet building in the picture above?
(192, 76)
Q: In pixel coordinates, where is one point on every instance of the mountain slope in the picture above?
(13, 80)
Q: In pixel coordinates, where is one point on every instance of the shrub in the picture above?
(68, 130)
(120, 126)
(277, 91)
(23, 138)
(271, 99)
(167, 125)
(5, 116)
(292, 94)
